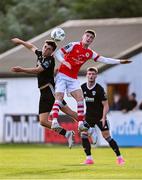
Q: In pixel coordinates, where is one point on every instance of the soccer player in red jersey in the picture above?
(72, 57)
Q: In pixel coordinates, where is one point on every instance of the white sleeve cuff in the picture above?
(108, 60)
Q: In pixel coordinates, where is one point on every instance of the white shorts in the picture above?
(65, 83)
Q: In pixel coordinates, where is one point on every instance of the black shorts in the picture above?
(47, 100)
(93, 122)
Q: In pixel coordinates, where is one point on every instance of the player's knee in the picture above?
(59, 96)
(108, 138)
(42, 122)
(79, 99)
(45, 123)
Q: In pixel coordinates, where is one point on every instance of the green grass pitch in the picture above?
(59, 162)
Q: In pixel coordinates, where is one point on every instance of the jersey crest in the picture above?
(93, 93)
(87, 54)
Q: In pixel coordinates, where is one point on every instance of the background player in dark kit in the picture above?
(96, 111)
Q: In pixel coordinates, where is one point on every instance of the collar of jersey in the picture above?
(91, 87)
(82, 45)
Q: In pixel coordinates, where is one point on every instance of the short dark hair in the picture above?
(91, 32)
(51, 43)
(92, 69)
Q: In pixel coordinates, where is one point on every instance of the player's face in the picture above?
(47, 50)
(91, 76)
(87, 38)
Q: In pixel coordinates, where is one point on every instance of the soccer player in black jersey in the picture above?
(45, 75)
(96, 110)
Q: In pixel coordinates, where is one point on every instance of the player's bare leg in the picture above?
(67, 110)
(44, 121)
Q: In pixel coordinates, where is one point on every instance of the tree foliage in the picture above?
(107, 8)
(26, 18)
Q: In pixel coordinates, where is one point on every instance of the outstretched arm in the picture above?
(35, 70)
(112, 61)
(24, 43)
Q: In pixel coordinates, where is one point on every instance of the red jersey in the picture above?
(76, 55)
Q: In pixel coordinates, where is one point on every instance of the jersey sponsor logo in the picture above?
(88, 99)
(79, 59)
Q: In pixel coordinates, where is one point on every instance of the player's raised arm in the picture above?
(112, 61)
(59, 55)
(35, 70)
(28, 45)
